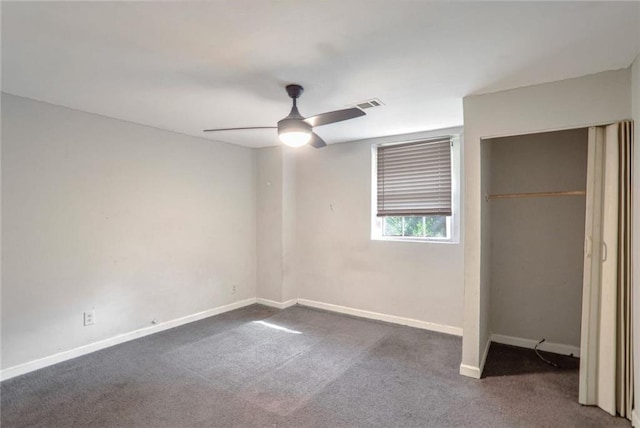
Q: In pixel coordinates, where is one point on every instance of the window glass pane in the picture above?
(414, 226)
(436, 226)
(392, 226)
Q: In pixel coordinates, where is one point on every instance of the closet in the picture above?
(556, 226)
(536, 222)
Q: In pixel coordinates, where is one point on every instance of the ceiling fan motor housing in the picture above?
(293, 124)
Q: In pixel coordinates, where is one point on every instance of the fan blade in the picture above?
(334, 116)
(240, 129)
(316, 141)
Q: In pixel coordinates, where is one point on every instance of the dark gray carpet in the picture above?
(260, 367)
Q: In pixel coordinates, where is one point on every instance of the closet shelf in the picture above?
(536, 194)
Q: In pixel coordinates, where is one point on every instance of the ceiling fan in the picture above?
(295, 130)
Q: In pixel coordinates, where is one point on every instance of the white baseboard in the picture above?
(556, 348)
(635, 419)
(457, 331)
(30, 366)
(476, 372)
(274, 304)
(470, 371)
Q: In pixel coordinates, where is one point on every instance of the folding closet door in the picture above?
(589, 347)
(609, 275)
(599, 311)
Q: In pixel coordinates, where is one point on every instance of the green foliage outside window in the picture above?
(433, 226)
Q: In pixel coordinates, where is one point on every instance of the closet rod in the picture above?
(536, 194)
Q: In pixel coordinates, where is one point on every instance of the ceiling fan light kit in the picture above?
(294, 138)
(296, 131)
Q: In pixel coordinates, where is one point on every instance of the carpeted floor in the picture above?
(300, 367)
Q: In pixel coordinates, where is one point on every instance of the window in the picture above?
(414, 189)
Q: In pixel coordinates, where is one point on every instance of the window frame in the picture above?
(453, 221)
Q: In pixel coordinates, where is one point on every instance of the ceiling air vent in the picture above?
(373, 102)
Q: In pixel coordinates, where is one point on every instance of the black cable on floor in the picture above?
(551, 363)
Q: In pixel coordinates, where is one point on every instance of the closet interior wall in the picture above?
(536, 261)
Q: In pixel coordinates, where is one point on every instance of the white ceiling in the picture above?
(187, 66)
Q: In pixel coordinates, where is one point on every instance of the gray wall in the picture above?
(269, 222)
(135, 222)
(276, 233)
(339, 263)
(537, 243)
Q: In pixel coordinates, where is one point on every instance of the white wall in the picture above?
(573, 103)
(339, 264)
(537, 243)
(276, 217)
(269, 221)
(289, 225)
(486, 157)
(635, 95)
(135, 222)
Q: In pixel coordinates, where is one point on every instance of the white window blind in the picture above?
(414, 179)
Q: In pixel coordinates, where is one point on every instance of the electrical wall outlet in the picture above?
(90, 317)
(234, 288)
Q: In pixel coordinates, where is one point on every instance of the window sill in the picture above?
(412, 239)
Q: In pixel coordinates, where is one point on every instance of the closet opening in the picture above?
(533, 231)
